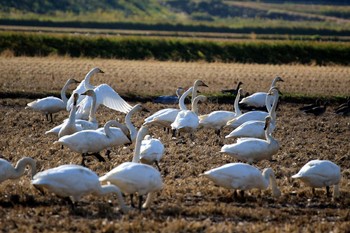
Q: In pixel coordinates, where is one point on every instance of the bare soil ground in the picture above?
(188, 203)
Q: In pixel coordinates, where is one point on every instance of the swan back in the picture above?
(319, 173)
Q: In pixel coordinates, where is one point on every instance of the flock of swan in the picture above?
(80, 133)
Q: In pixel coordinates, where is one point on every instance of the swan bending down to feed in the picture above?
(241, 176)
(257, 99)
(105, 95)
(255, 128)
(50, 105)
(7, 171)
(134, 177)
(254, 149)
(320, 173)
(218, 119)
(74, 181)
(151, 151)
(90, 141)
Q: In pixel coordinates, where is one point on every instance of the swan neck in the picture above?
(64, 91)
(236, 104)
(195, 105)
(194, 92)
(272, 111)
(92, 113)
(106, 189)
(182, 105)
(274, 81)
(87, 84)
(269, 178)
(129, 125)
(141, 134)
(72, 114)
(107, 129)
(21, 165)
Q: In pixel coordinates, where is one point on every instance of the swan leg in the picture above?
(217, 132)
(83, 160)
(173, 133)
(157, 164)
(132, 200)
(140, 202)
(241, 192)
(313, 192)
(70, 202)
(108, 152)
(328, 192)
(47, 117)
(235, 196)
(99, 157)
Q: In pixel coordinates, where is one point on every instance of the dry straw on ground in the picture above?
(188, 203)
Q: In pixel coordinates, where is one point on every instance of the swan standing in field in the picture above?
(134, 177)
(124, 135)
(104, 95)
(50, 105)
(74, 181)
(80, 124)
(69, 126)
(255, 129)
(88, 142)
(151, 151)
(7, 171)
(169, 99)
(218, 119)
(187, 120)
(320, 173)
(257, 99)
(241, 176)
(254, 149)
(165, 117)
(252, 115)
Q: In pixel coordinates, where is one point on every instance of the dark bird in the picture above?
(343, 109)
(310, 106)
(318, 110)
(232, 91)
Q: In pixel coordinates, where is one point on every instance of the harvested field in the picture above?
(187, 203)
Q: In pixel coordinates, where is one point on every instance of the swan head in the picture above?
(267, 122)
(89, 93)
(279, 79)
(96, 70)
(200, 83)
(75, 98)
(72, 80)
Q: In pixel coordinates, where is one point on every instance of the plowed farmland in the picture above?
(188, 202)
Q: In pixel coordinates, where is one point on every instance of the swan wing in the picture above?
(110, 98)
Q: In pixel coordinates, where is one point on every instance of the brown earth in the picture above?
(188, 203)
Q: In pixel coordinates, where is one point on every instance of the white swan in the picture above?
(254, 149)
(187, 120)
(74, 181)
(320, 173)
(134, 177)
(80, 124)
(252, 115)
(151, 151)
(69, 126)
(258, 99)
(7, 171)
(124, 135)
(90, 141)
(51, 104)
(255, 129)
(165, 117)
(218, 119)
(104, 95)
(243, 177)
